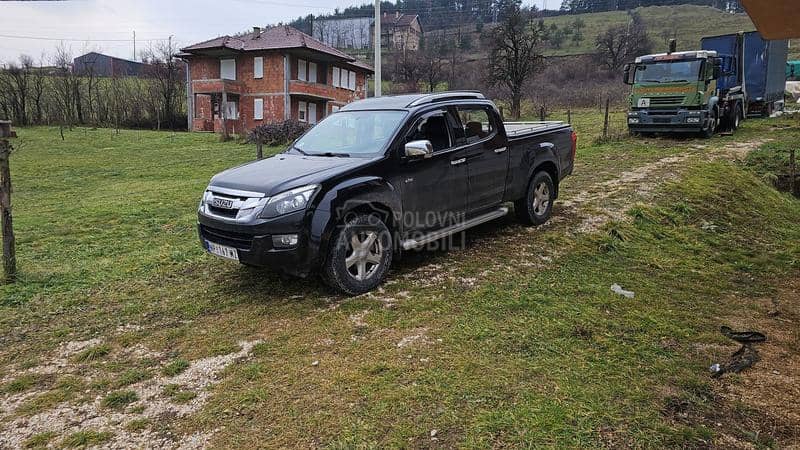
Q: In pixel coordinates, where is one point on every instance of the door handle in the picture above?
(546, 145)
(456, 162)
(500, 150)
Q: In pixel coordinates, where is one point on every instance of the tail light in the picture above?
(574, 144)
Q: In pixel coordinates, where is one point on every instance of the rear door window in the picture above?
(476, 123)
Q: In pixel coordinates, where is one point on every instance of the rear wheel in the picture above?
(737, 118)
(537, 205)
(360, 255)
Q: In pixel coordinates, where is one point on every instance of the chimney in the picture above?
(397, 14)
(256, 32)
(673, 45)
(384, 14)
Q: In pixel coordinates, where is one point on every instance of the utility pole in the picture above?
(134, 45)
(377, 48)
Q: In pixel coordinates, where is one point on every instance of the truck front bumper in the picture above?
(657, 121)
(255, 245)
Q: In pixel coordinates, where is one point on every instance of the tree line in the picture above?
(49, 92)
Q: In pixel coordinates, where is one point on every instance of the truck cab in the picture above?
(675, 92)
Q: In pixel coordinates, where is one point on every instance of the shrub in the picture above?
(277, 133)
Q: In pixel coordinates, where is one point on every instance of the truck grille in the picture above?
(229, 238)
(670, 100)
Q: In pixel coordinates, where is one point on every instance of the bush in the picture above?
(277, 133)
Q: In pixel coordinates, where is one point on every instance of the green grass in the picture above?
(40, 440)
(84, 439)
(119, 399)
(93, 353)
(532, 352)
(175, 367)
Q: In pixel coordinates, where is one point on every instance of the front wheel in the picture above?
(359, 256)
(537, 205)
(708, 132)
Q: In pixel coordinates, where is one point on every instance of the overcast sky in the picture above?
(108, 25)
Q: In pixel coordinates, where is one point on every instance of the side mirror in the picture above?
(626, 74)
(419, 149)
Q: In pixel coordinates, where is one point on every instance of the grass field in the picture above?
(121, 330)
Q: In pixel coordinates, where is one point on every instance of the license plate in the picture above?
(222, 203)
(222, 251)
(644, 102)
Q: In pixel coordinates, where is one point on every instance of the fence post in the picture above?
(542, 113)
(792, 173)
(9, 254)
(569, 116)
(259, 150)
(605, 121)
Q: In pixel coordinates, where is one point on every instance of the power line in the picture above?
(41, 38)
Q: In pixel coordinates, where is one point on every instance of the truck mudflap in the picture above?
(665, 121)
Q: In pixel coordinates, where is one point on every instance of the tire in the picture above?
(737, 118)
(359, 255)
(537, 205)
(707, 133)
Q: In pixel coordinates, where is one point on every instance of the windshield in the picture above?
(350, 133)
(668, 71)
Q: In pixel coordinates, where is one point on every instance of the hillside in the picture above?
(686, 23)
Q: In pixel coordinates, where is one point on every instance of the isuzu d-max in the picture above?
(379, 177)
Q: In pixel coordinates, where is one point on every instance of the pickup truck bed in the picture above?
(516, 130)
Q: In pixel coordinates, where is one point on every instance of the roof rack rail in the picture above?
(443, 96)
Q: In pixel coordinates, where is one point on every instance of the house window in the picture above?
(312, 72)
(352, 84)
(336, 77)
(302, 108)
(227, 69)
(258, 108)
(302, 70)
(334, 108)
(258, 67)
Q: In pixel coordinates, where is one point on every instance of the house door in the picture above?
(312, 113)
(232, 110)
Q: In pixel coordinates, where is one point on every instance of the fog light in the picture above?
(284, 240)
(692, 120)
(633, 120)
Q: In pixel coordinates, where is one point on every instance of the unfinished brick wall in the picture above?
(270, 88)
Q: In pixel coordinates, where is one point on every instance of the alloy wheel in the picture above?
(541, 198)
(364, 254)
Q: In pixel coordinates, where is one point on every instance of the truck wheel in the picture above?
(708, 132)
(359, 255)
(737, 118)
(537, 205)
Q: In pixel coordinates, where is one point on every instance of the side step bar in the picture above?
(408, 244)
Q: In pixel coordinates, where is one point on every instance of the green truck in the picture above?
(701, 91)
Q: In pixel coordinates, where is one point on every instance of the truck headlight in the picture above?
(633, 120)
(288, 202)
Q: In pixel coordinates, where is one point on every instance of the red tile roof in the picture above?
(275, 38)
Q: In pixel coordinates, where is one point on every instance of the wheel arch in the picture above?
(551, 169)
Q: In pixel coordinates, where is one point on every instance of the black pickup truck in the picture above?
(382, 176)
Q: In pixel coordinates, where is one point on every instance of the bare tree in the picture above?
(431, 59)
(16, 87)
(65, 86)
(167, 75)
(515, 45)
(618, 44)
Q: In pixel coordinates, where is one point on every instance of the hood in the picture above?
(283, 172)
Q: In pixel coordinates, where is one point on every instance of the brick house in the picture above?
(266, 76)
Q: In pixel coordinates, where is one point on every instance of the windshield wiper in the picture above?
(297, 150)
(338, 155)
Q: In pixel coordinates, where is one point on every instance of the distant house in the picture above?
(398, 31)
(100, 65)
(268, 75)
(351, 33)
